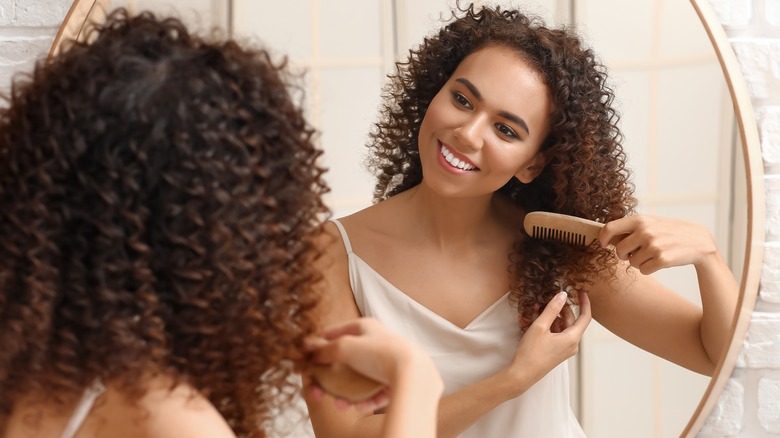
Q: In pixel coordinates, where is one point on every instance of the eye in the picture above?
(461, 100)
(506, 130)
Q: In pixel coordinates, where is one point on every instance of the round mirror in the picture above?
(691, 157)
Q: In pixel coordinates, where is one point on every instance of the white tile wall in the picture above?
(344, 77)
(671, 96)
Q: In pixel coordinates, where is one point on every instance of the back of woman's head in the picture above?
(585, 173)
(158, 194)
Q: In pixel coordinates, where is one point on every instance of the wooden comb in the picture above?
(343, 382)
(564, 228)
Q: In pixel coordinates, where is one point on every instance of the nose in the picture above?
(470, 133)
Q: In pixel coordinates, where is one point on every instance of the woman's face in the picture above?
(485, 125)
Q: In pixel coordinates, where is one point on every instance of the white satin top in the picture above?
(465, 356)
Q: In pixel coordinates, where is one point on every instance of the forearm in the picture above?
(460, 410)
(719, 293)
(414, 404)
(456, 412)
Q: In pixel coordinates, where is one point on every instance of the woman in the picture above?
(159, 195)
(493, 117)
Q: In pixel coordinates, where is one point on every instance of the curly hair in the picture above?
(585, 173)
(159, 198)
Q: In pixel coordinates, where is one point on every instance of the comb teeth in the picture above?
(569, 237)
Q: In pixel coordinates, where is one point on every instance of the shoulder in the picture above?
(336, 301)
(162, 412)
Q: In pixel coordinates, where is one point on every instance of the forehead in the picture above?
(506, 81)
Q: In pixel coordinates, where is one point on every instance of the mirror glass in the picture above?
(677, 119)
(679, 134)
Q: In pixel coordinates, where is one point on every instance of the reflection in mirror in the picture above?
(680, 137)
(676, 118)
(676, 111)
(749, 199)
(679, 130)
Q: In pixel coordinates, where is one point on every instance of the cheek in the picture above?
(439, 111)
(510, 164)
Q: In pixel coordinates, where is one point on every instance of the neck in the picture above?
(453, 222)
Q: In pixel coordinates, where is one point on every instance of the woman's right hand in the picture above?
(542, 348)
(366, 346)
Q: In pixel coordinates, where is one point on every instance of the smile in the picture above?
(454, 161)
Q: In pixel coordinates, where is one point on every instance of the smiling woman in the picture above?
(444, 236)
(670, 93)
(464, 109)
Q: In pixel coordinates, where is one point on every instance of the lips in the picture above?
(456, 162)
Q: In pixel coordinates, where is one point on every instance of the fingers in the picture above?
(370, 405)
(629, 246)
(327, 352)
(610, 233)
(379, 401)
(585, 314)
(551, 311)
(354, 327)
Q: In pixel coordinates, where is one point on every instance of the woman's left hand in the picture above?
(652, 243)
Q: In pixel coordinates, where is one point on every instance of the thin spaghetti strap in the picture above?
(91, 393)
(344, 236)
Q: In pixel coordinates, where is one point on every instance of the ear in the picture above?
(529, 172)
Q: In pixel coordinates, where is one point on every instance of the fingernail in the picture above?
(561, 297)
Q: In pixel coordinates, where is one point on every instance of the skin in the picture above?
(413, 389)
(457, 235)
(413, 385)
(161, 412)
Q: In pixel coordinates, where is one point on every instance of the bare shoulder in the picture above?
(386, 225)
(162, 412)
(337, 302)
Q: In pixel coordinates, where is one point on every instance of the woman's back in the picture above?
(161, 412)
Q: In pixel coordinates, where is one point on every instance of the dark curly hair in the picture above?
(159, 198)
(585, 173)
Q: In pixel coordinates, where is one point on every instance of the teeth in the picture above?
(455, 162)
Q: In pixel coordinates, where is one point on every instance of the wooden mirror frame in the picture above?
(756, 212)
(75, 21)
(83, 10)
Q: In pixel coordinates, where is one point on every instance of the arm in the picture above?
(539, 351)
(457, 411)
(655, 318)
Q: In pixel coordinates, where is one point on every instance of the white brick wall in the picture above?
(769, 404)
(750, 403)
(27, 29)
(727, 417)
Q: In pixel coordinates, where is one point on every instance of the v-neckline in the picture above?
(425, 309)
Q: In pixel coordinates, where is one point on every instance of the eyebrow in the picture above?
(507, 115)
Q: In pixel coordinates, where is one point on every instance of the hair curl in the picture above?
(158, 201)
(585, 173)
